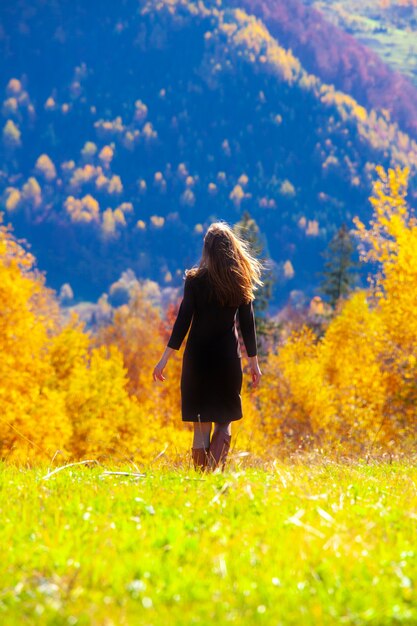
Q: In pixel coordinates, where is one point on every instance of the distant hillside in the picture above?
(127, 130)
(388, 27)
(339, 58)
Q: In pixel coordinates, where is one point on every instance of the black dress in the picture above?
(211, 376)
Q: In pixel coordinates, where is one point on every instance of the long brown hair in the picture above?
(233, 272)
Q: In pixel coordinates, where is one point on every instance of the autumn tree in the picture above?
(58, 392)
(354, 388)
(140, 333)
(33, 420)
(391, 242)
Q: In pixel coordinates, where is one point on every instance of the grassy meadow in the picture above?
(297, 543)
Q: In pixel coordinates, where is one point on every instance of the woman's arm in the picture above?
(157, 372)
(179, 330)
(255, 371)
(248, 329)
(183, 321)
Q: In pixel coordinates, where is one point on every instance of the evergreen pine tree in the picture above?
(340, 269)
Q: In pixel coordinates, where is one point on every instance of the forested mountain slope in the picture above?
(128, 127)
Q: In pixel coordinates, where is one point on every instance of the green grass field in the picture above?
(284, 544)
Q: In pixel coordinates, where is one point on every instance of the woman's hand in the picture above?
(159, 367)
(255, 371)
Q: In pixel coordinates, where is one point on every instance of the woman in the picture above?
(220, 288)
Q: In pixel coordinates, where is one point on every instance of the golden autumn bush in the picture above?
(31, 410)
(355, 387)
(65, 391)
(391, 241)
(58, 392)
(140, 333)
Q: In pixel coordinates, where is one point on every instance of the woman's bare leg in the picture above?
(202, 431)
(225, 428)
(201, 443)
(220, 444)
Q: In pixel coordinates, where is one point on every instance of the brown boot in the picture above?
(219, 449)
(200, 458)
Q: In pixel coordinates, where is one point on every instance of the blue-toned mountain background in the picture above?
(128, 127)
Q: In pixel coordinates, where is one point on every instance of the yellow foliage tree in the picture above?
(11, 135)
(391, 241)
(140, 334)
(33, 420)
(45, 166)
(355, 386)
(57, 391)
